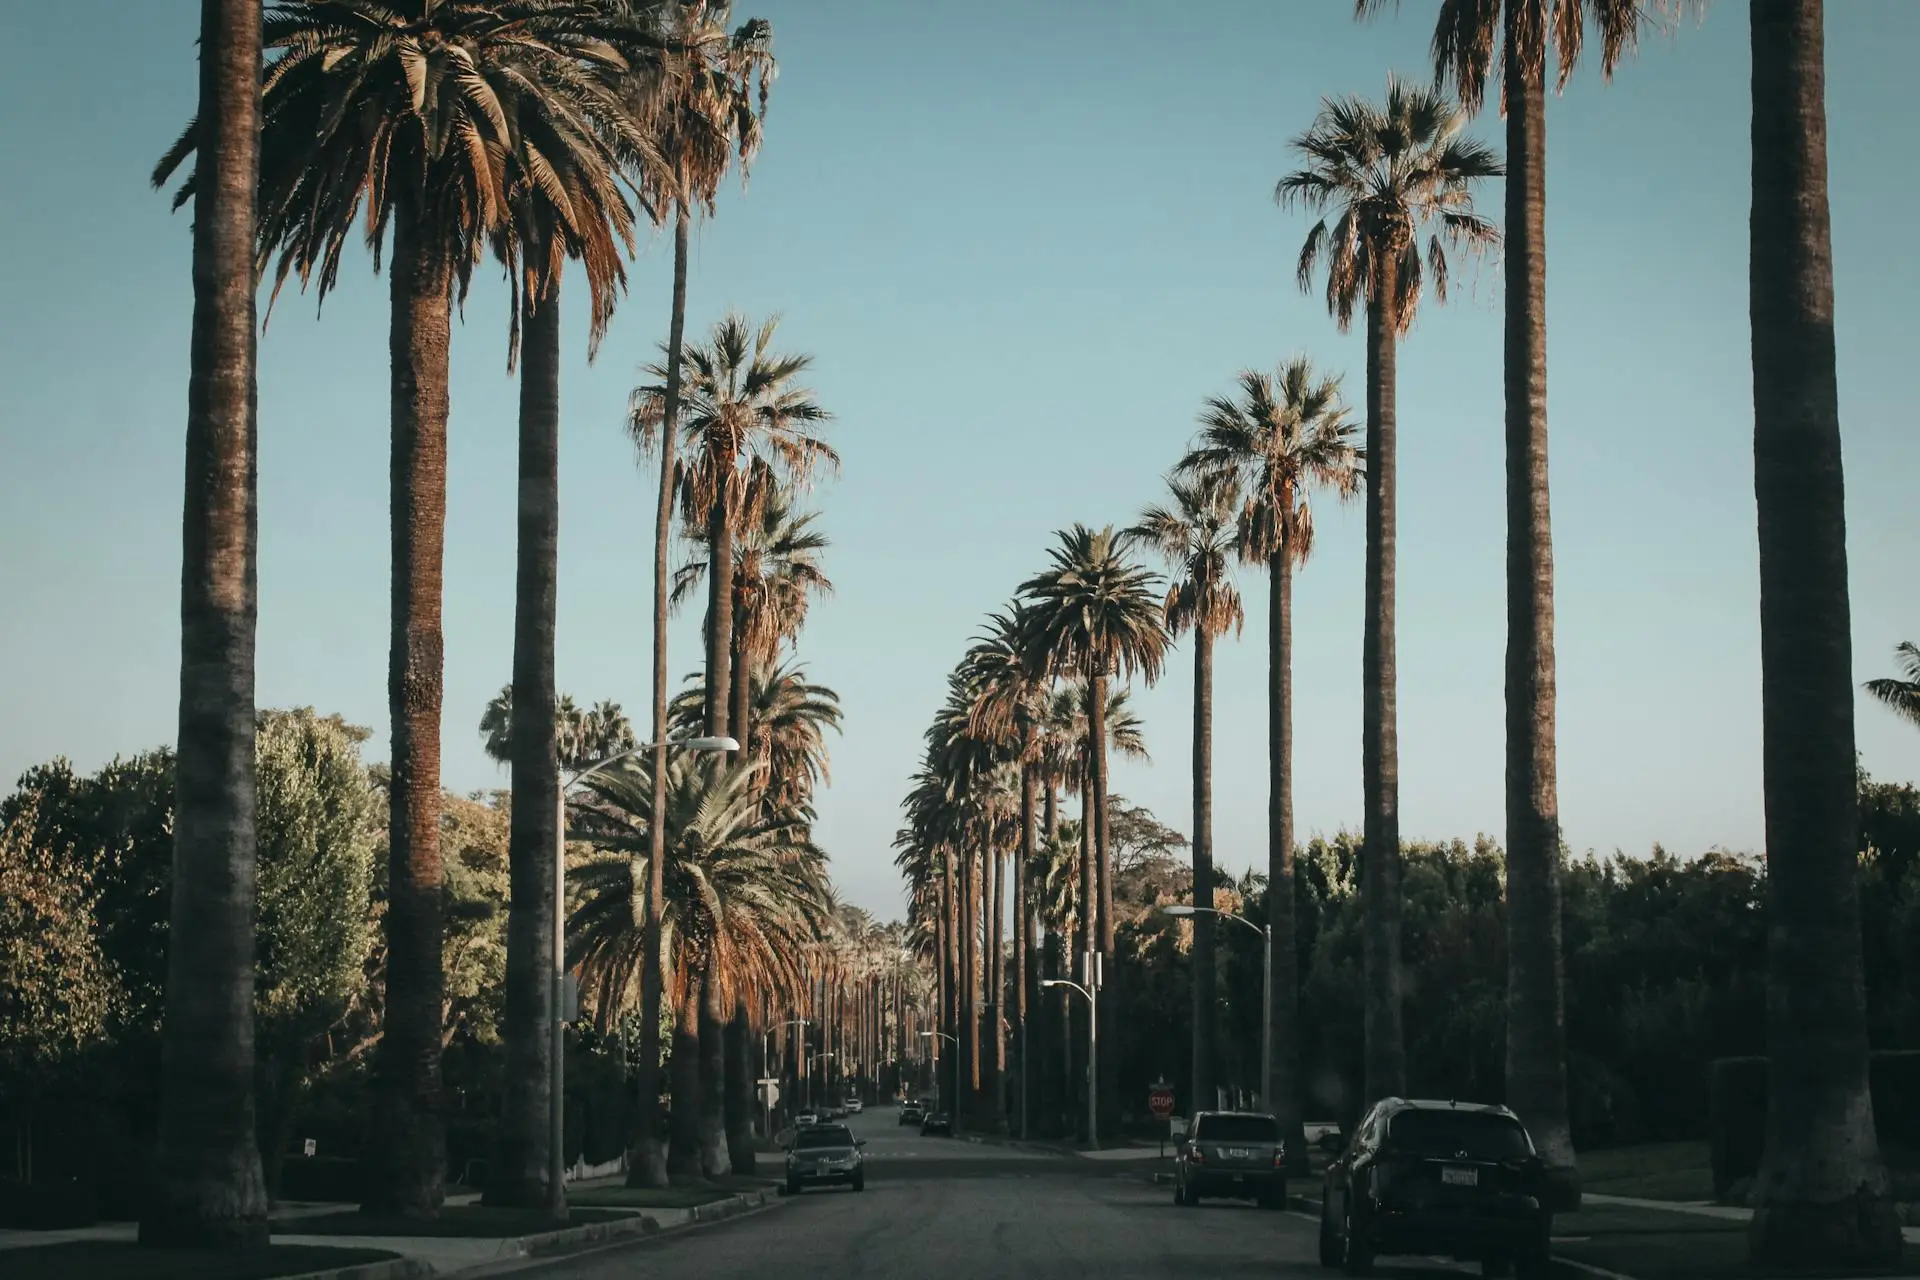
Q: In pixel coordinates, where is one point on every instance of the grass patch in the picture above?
(1651, 1171)
(124, 1260)
(466, 1221)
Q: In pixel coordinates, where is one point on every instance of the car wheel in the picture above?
(1179, 1192)
(793, 1186)
(859, 1182)
(1193, 1197)
(1329, 1243)
(1535, 1264)
(1498, 1266)
(1357, 1259)
(1273, 1197)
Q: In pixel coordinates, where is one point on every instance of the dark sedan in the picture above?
(1231, 1153)
(824, 1155)
(1449, 1178)
(937, 1122)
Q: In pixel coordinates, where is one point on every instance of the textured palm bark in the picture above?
(646, 1160)
(740, 1102)
(720, 605)
(1024, 997)
(1282, 1086)
(968, 1107)
(1108, 996)
(1822, 1196)
(1089, 907)
(1205, 927)
(206, 1186)
(713, 1078)
(407, 1174)
(948, 1086)
(1536, 996)
(683, 1116)
(518, 1175)
(996, 983)
(1386, 1051)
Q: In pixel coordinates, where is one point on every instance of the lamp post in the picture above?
(1093, 1056)
(820, 1058)
(953, 1102)
(1181, 910)
(557, 1091)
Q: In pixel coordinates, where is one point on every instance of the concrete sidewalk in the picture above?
(1700, 1208)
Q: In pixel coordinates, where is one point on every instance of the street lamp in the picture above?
(1182, 910)
(1093, 1056)
(821, 1058)
(953, 1103)
(557, 1092)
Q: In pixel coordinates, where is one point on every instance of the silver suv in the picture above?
(1231, 1153)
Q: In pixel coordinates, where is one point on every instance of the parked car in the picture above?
(912, 1112)
(855, 1106)
(937, 1122)
(823, 1155)
(806, 1118)
(1451, 1178)
(1231, 1153)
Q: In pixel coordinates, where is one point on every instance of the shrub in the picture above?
(47, 1206)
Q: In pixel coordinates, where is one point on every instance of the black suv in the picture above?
(1231, 1153)
(1450, 1178)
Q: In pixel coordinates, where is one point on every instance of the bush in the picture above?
(47, 1206)
(1737, 1112)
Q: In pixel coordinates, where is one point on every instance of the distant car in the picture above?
(1231, 1153)
(1446, 1178)
(823, 1155)
(938, 1122)
(912, 1113)
(855, 1106)
(833, 1111)
(806, 1118)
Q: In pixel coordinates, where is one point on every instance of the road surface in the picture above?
(947, 1209)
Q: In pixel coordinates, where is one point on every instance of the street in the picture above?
(947, 1209)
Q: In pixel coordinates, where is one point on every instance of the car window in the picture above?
(825, 1135)
(1476, 1135)
(1237, 1129)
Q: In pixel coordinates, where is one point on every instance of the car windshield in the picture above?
(1238, 1129)
(1477, 1135)
(825, 1135)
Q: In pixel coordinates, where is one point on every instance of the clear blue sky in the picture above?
(1024, 241)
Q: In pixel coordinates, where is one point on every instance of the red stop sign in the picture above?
(1160, 1102)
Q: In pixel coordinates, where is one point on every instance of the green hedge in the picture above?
(1737, 1111)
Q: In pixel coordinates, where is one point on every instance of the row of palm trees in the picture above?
(536, 132)
(1381, 177)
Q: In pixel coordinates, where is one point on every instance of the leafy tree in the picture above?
(1901, 695)
(1383, 174)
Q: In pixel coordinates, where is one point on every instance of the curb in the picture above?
(391, 1269)
(1565, 1268)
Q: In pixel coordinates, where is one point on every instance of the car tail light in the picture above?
(1196, 1156)
(1280, 1157)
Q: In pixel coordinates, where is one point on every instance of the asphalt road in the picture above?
(946, 1209)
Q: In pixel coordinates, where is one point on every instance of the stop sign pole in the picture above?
(1160, 1102)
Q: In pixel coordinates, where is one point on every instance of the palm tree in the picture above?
(1902, 695)
(703, 116)
(1469, 41)
(748, 423)
(1384, 174)
(564, 200)
(206, 1186)
(1287, 434)
(415, 109)
(745, 893)
(1821, 1197)
(1196, 535)
(581, 737)
(1095, 614)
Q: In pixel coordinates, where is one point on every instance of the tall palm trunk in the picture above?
(646, 1162)
(1203, 925)
(1822, 1193)
(1107, 998)
(206, 1186)
(683, 1129)
(1536, 998)
(713, 1076)
(518, 1176)
(1386, 1052)
(1023, 932)
(740, 1082)
(720, 603)
(996, 981)
(948, 1086)
(1281, 1088)
(1089, 940)
(409, 1154)
(967, 1105)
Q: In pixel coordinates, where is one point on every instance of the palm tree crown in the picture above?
(1466, 39)
(1287, 433)
(1197, 536)
(1902, 695)
(1094, 612)
(1383, 174)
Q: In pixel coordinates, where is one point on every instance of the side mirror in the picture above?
(859, 1142)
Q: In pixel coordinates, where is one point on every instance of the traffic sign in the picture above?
(1160, 1100)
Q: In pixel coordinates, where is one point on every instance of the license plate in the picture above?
(1238, 1153)
(1460, 1177)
